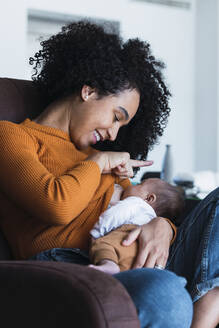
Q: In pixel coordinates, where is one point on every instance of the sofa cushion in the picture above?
(5, 253)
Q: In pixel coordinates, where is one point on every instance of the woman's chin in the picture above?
(82, 147)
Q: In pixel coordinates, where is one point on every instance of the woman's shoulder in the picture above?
(10, 132)
(9, 126)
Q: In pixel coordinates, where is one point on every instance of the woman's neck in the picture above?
(55, 115)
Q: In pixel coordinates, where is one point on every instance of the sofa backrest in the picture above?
(18, 100)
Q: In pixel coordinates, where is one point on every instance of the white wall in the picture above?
(170, 32)
(206, 139)
(13, 38)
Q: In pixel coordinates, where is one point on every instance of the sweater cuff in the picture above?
(174, 230)
(124, 183)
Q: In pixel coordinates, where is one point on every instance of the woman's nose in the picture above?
(112, 132)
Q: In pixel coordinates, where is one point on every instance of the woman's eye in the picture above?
(116, 118)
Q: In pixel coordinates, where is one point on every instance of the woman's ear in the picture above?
(151, 198)
(87, 93)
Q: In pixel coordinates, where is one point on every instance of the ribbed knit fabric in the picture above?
(50, 195)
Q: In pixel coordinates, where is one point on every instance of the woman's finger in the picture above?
(131, 237)
(140, 259)
(151, 260)
(106, 171)
(121, 168)
(136, 163)
(123, 171)
(161, 261)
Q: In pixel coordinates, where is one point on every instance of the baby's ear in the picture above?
(151, 198)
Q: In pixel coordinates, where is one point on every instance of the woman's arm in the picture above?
(28, 183)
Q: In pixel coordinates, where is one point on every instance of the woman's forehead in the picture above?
(128, 100)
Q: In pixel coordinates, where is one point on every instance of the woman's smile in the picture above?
(97, 136)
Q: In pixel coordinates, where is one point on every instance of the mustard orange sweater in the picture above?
(49, 195)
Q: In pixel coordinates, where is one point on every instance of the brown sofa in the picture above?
(54, 294)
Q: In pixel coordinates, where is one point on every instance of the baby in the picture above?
(129, 208)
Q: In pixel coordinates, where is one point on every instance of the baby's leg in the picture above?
(109, 255)
(106, 266)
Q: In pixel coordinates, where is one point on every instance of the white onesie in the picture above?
(131, 210)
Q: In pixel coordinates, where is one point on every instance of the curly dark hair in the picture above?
(84, 54)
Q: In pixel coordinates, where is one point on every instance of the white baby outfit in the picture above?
(131, 210)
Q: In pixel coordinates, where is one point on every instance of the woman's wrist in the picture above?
(98, 158)
(173, 230)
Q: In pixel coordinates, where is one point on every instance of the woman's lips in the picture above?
(97, 136)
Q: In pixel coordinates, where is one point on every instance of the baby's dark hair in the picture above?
(84, 54)
(170, 202)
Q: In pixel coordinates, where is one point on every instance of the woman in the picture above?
(98, 92)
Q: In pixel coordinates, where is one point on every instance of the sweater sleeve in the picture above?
(124, 183)
(25, 180)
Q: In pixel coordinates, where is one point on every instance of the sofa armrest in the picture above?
(54, 294)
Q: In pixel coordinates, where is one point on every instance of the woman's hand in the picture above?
(118, 163)
(154, 241)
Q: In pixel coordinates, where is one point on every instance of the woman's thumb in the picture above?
(131, 237)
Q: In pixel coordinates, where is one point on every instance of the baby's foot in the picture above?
(106, 266)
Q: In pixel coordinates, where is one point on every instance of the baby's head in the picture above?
(166, 200)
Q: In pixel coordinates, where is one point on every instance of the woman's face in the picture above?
(92, 120)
